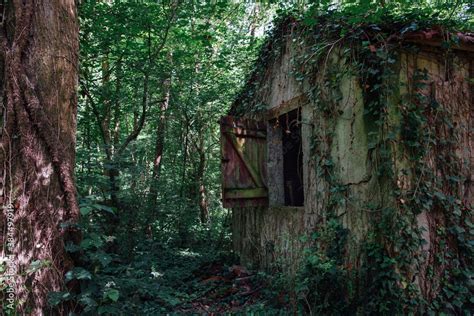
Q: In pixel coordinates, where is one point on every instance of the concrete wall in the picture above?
(263, 235)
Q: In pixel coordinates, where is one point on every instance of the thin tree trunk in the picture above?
(160, 140)
(110, 168)
(113, 140)
(203, 204)
(133, 181)
(185, 157)
(39, 52)
(181, 221)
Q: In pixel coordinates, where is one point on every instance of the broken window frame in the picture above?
(270, 164)
(278, 173)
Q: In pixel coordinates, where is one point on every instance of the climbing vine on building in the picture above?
(417, 253)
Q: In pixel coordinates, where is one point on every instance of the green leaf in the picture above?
(107, 310)
(103, 258)
(112, 294)
(85, 210)
(309, 21)
(79, 274)
(104, 208)
(93, 241)
(88, 302)
(55, 298)
(36, 265)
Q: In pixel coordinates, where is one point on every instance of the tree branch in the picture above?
(141, 122)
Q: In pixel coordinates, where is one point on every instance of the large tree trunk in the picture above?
(39, 58)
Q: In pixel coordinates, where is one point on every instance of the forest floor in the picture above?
(180, 281)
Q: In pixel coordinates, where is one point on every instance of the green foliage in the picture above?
(384, 293)
(196, 53)
(134, 55)
(322, 282)
(137, 253)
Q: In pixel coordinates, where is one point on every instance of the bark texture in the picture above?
(38, 56)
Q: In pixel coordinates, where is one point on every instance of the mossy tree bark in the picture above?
(39, 53)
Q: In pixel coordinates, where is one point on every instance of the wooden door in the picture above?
(243, 162)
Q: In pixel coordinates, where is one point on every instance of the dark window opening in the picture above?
(290, 124)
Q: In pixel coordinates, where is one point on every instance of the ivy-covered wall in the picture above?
(387, 145)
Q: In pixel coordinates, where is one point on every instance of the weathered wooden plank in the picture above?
(246, 124)
(243, 162)
(245, 193)
(253, 173)
(286, 106)
(246, 133)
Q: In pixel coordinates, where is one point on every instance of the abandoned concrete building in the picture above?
(323, 132)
